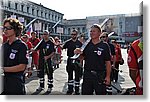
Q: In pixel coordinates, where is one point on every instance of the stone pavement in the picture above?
(60, 79)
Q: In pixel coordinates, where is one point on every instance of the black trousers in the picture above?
(13, 86)
(46, 69)
(115, 73)
(89, 86)
(70, 68)
(93, 82)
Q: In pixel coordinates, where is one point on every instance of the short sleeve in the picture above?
(65, 45)
(52, 49)
(107, 56)
(23, 54)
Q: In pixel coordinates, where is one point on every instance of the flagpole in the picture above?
(30, 23)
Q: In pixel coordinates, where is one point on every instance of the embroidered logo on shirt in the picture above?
(99, 53)
(12, 56)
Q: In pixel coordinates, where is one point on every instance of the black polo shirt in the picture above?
(48, 47)
(13, 55)
(71, 46)
(112, 49)
(96, 55)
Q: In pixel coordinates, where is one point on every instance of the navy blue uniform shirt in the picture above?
(13, 55)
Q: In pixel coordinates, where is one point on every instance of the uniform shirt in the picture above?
(112, 50)
(14, 54)
(47, 46)
(96, 55)
(71, 46)
(118, 53)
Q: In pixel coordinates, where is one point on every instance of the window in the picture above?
(9, 3)
(49, 16)
(16, 6)
(78, 30)
(32, 11)
(83, 29)
(27, 9)
(37, 12)
(41, 14)
(22, 8)
(52, 17)
(45, 15)
(69, 31)
(2, 3)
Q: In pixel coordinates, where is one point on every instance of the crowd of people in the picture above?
(97, 65)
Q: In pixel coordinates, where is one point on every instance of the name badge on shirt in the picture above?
(12, 56)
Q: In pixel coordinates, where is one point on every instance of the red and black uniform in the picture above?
(135, 62)
(35, 55)
(95, 56)
(14, 54)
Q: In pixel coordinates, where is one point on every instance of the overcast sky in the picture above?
(78, 9)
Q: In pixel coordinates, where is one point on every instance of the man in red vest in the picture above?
(135, 63)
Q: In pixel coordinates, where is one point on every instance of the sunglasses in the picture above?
(8, 28)
(73, 34)
(103, 37)
(45, 34)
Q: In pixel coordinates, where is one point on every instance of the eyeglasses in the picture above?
(8, 28)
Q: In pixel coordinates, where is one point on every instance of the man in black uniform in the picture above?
(104, 37)
(96, 55)
(45, 65)
(71, 45)
(14, 59)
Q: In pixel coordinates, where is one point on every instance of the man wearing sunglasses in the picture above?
(104, 37)
(14, 58)
(71, 45)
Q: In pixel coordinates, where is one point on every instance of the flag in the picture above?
(30, 30)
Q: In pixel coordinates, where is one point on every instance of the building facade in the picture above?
(126, 26)
(26, 11)
(69, 25)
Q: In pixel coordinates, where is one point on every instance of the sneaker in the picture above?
(49, 90)
(39, 89)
